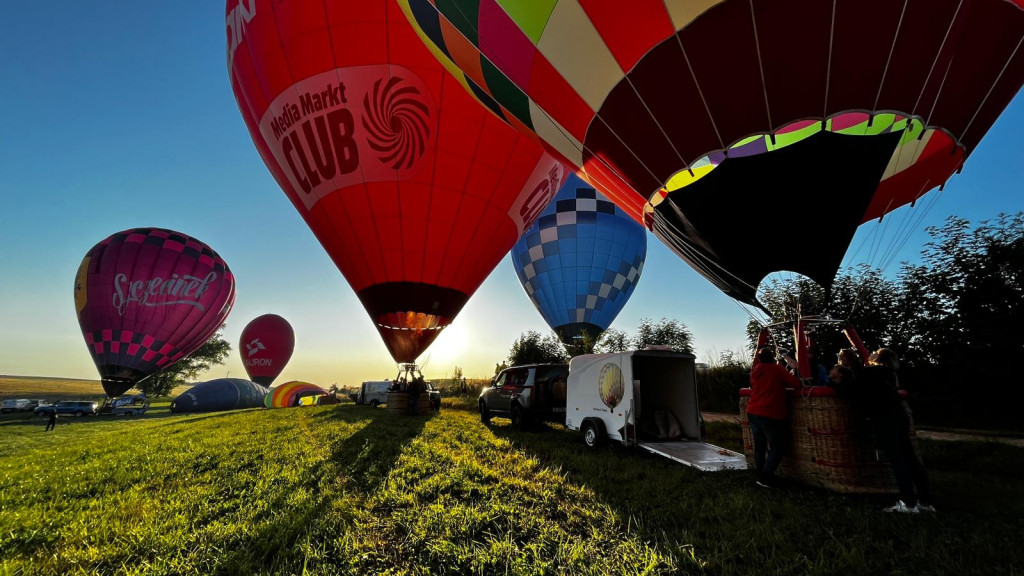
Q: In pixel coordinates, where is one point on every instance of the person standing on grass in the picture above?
(876, 394)
(768, 414)
(51, 423)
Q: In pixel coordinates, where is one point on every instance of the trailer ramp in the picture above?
(700, 455)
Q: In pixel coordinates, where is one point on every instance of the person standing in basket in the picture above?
(876, 395)
(768, 414)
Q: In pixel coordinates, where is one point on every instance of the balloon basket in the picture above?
(402, 403)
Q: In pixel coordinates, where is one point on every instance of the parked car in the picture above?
(526, 394)
(435, 396)
(16, 405)
(74, 407)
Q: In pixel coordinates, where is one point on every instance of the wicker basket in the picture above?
(830, 446)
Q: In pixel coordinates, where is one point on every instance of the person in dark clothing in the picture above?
(768, 414)
(52, 422)
(875, 394)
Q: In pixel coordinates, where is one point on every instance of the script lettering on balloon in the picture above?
(348, 126)
(157, 291)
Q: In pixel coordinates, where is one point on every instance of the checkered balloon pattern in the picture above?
(580, 261)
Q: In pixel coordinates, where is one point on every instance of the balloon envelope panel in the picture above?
(580, 262)
(146, 298)
(220, 394)
(414, 190)
(266, 344)
(288, 394)
(644, 99)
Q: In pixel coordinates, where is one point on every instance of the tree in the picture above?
(613, 341)
(458, 379)
(531, 348)
(211, 353)
(671, 333)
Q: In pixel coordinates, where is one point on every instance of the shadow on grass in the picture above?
(356, 465)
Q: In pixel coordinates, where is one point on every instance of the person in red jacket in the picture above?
(768, 414)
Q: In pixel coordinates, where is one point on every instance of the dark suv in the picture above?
(526, 394)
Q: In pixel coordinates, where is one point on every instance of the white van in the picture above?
(374, 392)
(646, 399)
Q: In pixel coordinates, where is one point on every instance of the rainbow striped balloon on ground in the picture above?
(294, 393)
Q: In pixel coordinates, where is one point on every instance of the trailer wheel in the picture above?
(374, 402)
(485, 414)
(593, 436)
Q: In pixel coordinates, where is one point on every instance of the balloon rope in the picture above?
(992, 86)
(828, 70)
(936, 60)
(892, 49)
(760, 67)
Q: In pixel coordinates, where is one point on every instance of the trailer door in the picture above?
(700, 455)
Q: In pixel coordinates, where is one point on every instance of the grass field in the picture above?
(55, 388)
(351, 489)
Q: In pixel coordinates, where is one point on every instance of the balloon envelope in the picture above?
(220, 394)
(146, 298)
(580, 261)
(266, 344)
(291, 393)
(414, 190)
(652, 99)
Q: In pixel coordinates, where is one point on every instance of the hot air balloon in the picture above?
(580, 261)
(292, 394)
(413, 189)
(714, 120)
(220, 394)
(266, 344)
(146, 298)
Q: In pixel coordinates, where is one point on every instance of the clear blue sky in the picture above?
(120, 115)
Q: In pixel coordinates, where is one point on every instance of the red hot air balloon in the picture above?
(414, 189)
(266, 346)
(146, 298)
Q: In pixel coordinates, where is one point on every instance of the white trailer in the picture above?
(646, 399)
(374, 392)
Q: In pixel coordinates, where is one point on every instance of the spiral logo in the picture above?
(396, 119)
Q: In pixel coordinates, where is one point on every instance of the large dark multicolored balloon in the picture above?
(266, 346)
(580, 261)
(720, 122)
(414, 190)
(146, 298)
(220, 394)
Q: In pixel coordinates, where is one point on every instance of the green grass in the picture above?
(354, 490)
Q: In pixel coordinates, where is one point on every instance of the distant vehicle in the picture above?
(646, 399)
(17, 405)
(374, 392)
(133, 405)
(74, 407)
(526, 394)
(435, 396)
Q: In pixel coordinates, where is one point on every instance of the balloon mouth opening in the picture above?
(855, 123)
(413, 321)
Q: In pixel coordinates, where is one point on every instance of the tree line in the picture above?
(956, 319)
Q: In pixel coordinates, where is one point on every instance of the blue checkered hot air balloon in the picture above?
(580, 261)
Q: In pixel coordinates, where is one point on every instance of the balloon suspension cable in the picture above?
(935, 62)
(892, 50)
(992, 86)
